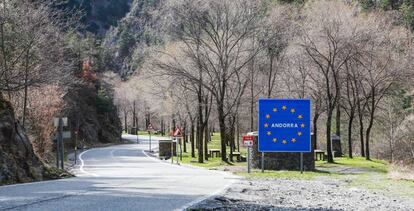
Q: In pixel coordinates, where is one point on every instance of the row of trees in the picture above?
(223, 55)
(43, 61)
(35, 66)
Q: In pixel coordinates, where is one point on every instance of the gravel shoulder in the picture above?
(296, 194)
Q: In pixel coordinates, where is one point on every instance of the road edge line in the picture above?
(83, 164)
(210, 196)
(233, 180)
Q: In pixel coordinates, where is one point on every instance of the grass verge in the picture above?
(212, 162)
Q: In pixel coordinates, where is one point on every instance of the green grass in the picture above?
(212, 162)
(342, 167)
(356, 162)
(357, 172)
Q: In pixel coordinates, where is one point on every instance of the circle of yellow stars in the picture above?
(284, 141)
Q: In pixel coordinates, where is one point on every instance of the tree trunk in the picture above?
(136, 123)
(26, 78)
(269, 82)
(351, 119)
(361, 136)
(252, 101)
(315, 130)
(192, 139)
(361, 127)
(223, 133)
(206, 139)
(185, 137)
(133, 115)
(125, 121)
(200, 148)
(328, 136)
(338, 120)
(252, 109)
(231, 139)
(162, 127)
(368, 131)
(367, 154)
(237, 134)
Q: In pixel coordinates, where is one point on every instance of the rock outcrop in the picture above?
(18, 162)
(95, 115)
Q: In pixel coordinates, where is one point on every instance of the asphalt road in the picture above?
(121, 177)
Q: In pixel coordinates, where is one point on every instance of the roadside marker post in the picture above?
(172, 151)
(248, 142)
(178, 135)
(176, 150)
(150, 128)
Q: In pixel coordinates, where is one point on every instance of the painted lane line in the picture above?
(83, 164)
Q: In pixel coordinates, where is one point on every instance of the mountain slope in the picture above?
(99, 15)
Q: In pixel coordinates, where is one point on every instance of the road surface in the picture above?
(119, 177)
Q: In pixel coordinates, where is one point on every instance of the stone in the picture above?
(282, 161)
(18, 162)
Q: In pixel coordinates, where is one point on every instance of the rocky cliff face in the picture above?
(94, 115)
(99, 15)
(18, 162)
(127, 44)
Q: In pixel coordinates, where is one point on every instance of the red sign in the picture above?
(248, 138)
(248, 141)
(177, 132)
(150, 127)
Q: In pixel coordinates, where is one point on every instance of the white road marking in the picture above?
(83, 164)
(196, 201)
(200, 199)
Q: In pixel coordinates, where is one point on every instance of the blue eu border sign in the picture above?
(284, 125)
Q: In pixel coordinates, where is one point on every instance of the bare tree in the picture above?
(33, 49)
(216, 36)
(326, 43)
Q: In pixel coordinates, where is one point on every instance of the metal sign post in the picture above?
(249, 159)
(59, 123)
(150, 128)
(181, 149)
(149, 140)
(176, 149)
(248, 142)
(301, 162)
(76, 146)
(60, 140)
(177, 135)
(263, 162)
(172, 151)
(57, 151)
